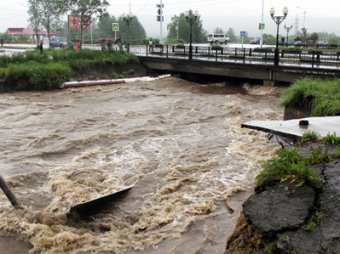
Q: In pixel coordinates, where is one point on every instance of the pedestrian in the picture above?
(41, 47)
(109, 45)
(150, 44)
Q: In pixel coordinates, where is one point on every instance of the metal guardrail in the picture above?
(301, 58)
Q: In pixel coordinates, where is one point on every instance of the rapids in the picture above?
(179, 142)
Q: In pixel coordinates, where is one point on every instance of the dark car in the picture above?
(58, 42)
(257, 41)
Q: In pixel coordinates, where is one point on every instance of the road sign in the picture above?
(243, 33)
(115, 27)
(261, 26)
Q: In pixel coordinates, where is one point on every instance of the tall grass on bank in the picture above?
(34, 71)
(324, 96)
(35, 76)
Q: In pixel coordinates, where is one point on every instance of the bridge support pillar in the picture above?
(268, 82)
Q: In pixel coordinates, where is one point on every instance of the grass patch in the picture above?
(271, 248)
(291, 166)
(331, 139)
(324, 96)
(309, 136)
(313, 222)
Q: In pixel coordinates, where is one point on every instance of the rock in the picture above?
(280, 207)
(325, 237)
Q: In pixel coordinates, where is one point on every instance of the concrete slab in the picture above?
(292, 129)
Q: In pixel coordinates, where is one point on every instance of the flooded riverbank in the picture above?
(180, 143)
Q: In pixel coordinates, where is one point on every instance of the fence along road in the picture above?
(318, 59)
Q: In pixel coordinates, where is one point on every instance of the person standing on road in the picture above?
(41, 47)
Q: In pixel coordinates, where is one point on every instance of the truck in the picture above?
(218, 38)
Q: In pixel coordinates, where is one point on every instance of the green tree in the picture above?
(86, 11)
(198, 33)
(218, 30)
(34, 18)
(47, 13)
(314, 37)
(231, 34)
(269, 39)
(104, 28)
(135, 31)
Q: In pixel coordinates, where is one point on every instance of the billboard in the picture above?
(75, 21)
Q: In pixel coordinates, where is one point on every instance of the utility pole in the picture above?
(261, 26)
(160, 19)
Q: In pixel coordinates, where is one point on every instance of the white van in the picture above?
(218, 38)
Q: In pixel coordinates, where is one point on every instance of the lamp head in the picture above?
(285, 11)
(272, 11)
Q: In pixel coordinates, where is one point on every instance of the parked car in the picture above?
(323, 43)
(298, 43)
(58, 42)
(257, 41)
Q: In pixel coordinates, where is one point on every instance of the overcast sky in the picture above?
(238, 14)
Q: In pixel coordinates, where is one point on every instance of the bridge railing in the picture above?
(288, 57)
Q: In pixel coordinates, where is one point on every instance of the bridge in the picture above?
(244, 63)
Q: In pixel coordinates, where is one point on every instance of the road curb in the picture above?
(88, 83)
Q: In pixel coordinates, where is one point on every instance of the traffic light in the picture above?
(160, 17)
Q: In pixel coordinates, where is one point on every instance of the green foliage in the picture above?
(290, 165)
(198, 33)
(84, 9)
(324, 96)
(35, 71)
(337, 152)
(316, 155)
(46, 13)
(309, 136)
(134, 32)
(231, 34)
(313, 222)
(269, 39)
(270, 248)
(37, 76)
(218, 30)
(331, 139)
(116, 75)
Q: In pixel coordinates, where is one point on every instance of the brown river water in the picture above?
(179, 143)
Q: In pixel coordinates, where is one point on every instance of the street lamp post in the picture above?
(127, 20)
(304, 32)
(278, 20)
(191, 17)
(288, 28)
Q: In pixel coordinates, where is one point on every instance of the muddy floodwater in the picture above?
(179, 143)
